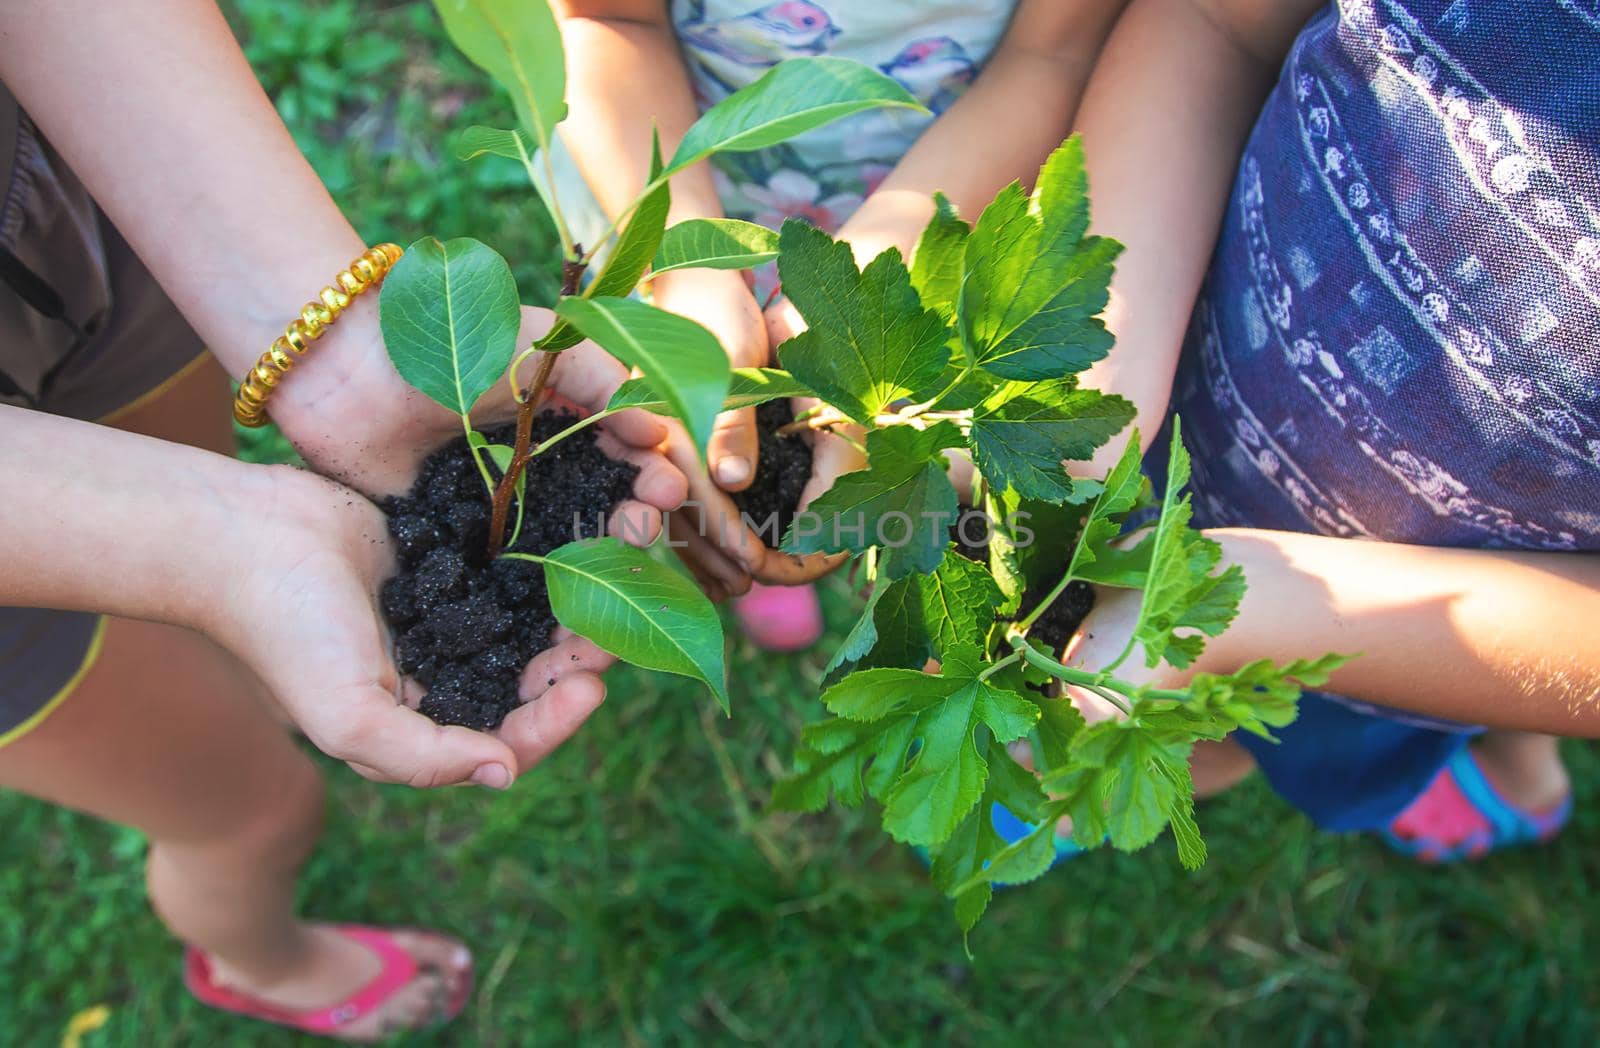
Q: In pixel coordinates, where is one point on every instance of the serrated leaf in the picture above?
(1179, 591)
(450, 316)
(903, 500)
(792, 97)
(1022, 432)
(638, 609)
(1034, 284)
(830, 761)
(936, 264)
(1029, 541)
(868, 341)
(1180, 815)
(518, 43)
(1095, 558)
(683, 361)
(872, 695)
(747, 388)
(715, 243)
(478, 140)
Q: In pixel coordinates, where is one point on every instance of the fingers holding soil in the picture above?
(571, 655)
(533, 731)
(660, 483)
(734, 449)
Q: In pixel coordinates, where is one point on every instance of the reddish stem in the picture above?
(527, 407)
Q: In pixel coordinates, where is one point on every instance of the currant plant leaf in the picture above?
(868, 341)
(1180, 591)
(1034, 283)
(903, 500)
(938, 261)
(1022, 432)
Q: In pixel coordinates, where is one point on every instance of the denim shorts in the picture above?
(85, 332)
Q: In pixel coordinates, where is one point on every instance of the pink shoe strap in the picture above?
(397, 971)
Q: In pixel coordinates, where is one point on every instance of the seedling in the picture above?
(973, 349)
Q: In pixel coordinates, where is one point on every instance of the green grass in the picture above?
(634, 890)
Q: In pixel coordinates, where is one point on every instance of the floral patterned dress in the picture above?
(934, 50)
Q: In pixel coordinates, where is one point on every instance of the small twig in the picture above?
(527, 408)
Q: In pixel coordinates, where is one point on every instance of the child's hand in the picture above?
(721, 302)
(301, 611)
(367, 428)
(831, 456)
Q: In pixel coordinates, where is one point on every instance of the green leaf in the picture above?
(1034, 284)
(1029, 541)
(1180, 591)
(830, 761)
(637, 609)
(1258, 696)
(749, 387)
(478, 140)
(1022, 432)
(519, 44)
(449, 315)
(715, 243)
(792, 97)
(684, 362)
(626, 263)
(947, 776)
(936, 265)
(1096, 558)
(903, 500)
(868, 342)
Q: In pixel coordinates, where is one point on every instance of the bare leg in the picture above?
(167, 733)
(1525, 768)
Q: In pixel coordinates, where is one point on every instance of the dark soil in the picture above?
(467, 626)
(781, 474)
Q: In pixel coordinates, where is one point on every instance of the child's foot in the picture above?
(780, 618)
(356, 983)
(1488, 797)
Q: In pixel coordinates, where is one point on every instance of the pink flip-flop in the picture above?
(399, 968)
(780, 618)
(1462, 816)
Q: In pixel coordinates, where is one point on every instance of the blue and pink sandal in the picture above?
(1461, 816)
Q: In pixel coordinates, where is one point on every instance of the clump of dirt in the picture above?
(1061, 619)
(466, 626)
(782, 471)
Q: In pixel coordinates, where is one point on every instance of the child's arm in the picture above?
(1164, 119)
(1016, 112)
(277, 565)
(624, 73)
(155, 108)
(1478, 636)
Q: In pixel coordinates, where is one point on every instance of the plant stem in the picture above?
(569, 250)
(998, 666)
(1033, 616)
(531, 557)
(1102, 683)
(521, 452)
(477, 456)
(527, 407)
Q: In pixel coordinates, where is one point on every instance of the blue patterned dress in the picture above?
(1399, 336)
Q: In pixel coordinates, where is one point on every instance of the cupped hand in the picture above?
(303, 613)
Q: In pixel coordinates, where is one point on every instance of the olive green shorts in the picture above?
(85, 332)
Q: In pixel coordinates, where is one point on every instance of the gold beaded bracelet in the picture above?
(368, 271)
